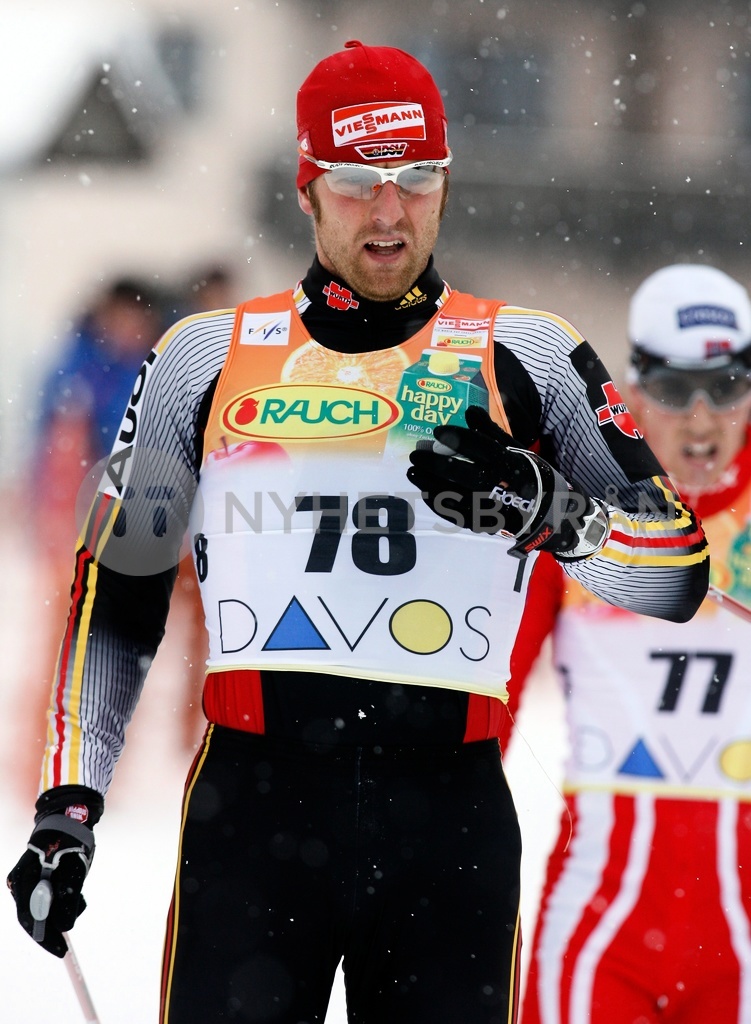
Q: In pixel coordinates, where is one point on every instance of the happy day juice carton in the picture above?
(434, 391)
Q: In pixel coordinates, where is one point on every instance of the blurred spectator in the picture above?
(206, 286)
(99, 362)
(82, 404)
(211, 287)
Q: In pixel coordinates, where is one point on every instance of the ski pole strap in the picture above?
(40, 900)
(71, 827)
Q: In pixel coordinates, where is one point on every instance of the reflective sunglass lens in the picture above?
(420, 180)
(364, 182)
(357, 184)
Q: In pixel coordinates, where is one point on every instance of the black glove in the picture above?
(46, 882)
(474, 477)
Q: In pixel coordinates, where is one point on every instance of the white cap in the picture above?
(688, 314)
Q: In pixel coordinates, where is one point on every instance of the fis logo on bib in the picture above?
(265, 328)
(309, 412)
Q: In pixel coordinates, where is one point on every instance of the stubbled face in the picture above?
(378, 246)
(695, 447)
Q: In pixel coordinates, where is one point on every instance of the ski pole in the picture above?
(39, 904)
(726, 601)
(79, 984)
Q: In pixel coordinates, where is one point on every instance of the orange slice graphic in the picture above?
(373, 371)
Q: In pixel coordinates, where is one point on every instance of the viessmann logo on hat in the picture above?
(373, 121)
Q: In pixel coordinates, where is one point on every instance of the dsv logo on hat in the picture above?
(371, 120)
(382, 150)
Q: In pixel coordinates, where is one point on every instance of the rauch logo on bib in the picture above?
(309, 412)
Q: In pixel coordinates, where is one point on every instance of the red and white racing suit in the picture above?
(646, 904)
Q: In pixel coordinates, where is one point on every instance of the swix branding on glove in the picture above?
(528, 546)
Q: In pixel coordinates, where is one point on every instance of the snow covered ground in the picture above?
(118, 939)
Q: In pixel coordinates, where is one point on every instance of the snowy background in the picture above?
(118, 939)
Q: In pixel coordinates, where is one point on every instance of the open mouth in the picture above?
(700, 450)
(384, 248)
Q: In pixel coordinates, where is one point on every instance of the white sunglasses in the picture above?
(362, 181)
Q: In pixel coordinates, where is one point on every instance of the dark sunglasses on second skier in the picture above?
(722, 388)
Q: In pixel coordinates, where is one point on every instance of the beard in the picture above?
(348, 258)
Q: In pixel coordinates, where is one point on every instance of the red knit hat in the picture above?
(369, 103)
